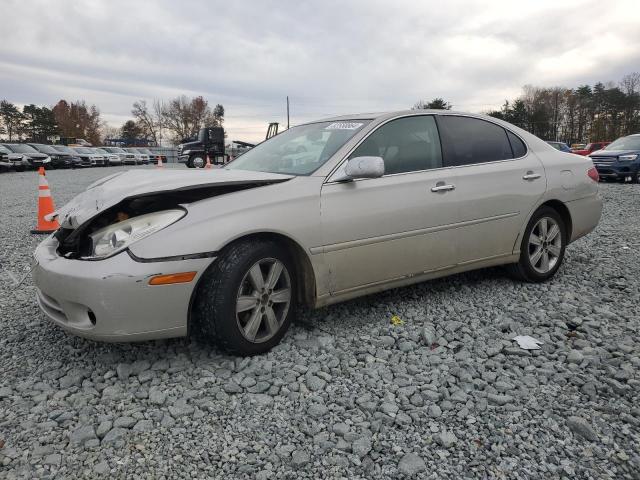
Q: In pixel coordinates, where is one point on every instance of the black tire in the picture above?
(214, 307)
(196, 159)
(635, 177)
(524, 270)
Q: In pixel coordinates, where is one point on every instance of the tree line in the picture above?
(602, 112)
(178, 118)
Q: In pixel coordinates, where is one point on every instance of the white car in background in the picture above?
(90, 154)
(321, 213)
(126, 158)
(112, 158)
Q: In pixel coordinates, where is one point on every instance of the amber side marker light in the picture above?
(184, 277)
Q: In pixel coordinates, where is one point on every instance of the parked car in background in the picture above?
(19, 162)
(141, 158)
(127, 158)
(112, 158)
(58, 159)
(76, 160)
(96, 158)
(578, 146)
(5, 163)
(153, 157)
(620, 160)
(563, 147)
(33, 156)
(392, 199)
(590, 148)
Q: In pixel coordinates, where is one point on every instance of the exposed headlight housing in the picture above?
(185, 152)
(627, 158)
(113, 239)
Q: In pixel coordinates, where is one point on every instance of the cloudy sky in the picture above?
(330, 57)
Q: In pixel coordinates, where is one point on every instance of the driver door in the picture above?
(388, 228)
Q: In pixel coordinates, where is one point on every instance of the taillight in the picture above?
(593, 174)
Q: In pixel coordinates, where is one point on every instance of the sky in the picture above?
(330, 57)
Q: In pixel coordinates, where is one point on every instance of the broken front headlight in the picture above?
(115, 238)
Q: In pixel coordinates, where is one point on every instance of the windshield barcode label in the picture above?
(343, 126)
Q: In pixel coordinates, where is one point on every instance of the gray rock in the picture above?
(581, 427)
(499, 399)
(101, 468)
(80, 435)
(299, 458)
(315, 383)
(575, 356)
(53, 459)
(411, 464)
(124, 422)
(446, 438)
(157, 397)
(5, 392)
(115, 436)
(361, 446)
(232, 387)
(143, 426)
(104, 428)
(124, 371)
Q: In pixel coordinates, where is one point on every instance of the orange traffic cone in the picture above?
(45, 206)
(159, 165)
(208, 164)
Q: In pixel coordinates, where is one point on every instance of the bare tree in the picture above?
(183, 117)
(148, 122)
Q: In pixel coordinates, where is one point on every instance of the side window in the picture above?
(518, 146)
(407, 145)
(467, 140)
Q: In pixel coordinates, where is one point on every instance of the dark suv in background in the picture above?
(58, 159)
(619, 160)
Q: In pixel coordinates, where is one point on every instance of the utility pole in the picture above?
(287, 112)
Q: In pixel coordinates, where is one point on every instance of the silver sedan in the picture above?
(321, 213)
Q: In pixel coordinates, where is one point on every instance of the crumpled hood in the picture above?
(112, 189)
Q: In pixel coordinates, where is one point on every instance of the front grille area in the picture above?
(604, 159)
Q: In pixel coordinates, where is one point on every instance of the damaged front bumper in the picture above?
(111, 299)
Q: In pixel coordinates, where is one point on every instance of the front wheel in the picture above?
(542, 247)
(197, 161)
(245, 301)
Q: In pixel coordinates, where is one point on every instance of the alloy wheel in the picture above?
(263, 300)
(545, 245)
(198, 162)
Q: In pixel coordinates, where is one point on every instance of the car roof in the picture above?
(386, 115)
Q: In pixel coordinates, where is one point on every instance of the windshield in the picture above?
(83, 150)
(63, 148)
(299, 150)
(100, 150)
(21, 148)
(631, 142)
(4, 149)
(115, 150)
(46, 149)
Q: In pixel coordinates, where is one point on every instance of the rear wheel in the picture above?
(542, 247)
(245, 301)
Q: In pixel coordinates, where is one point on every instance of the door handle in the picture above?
(531, 176)
(442, 187)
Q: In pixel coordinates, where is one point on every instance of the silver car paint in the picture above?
(359, 237)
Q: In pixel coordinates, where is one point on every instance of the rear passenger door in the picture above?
(498, 182)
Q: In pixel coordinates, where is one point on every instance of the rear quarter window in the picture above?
(518, 146)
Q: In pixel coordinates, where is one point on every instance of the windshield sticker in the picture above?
(343, 126)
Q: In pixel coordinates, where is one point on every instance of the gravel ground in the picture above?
(446, 394)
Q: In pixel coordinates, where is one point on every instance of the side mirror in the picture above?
(360, 167)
